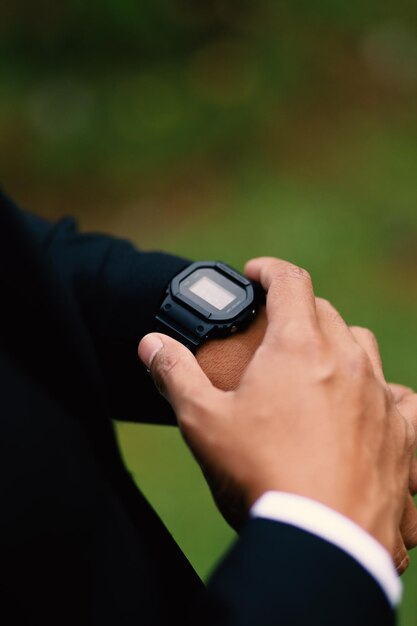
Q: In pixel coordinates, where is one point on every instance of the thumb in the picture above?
(174, 370)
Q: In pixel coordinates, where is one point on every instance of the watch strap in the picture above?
(168, 327)
(181, 324)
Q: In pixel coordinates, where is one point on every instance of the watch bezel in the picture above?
(205, 311)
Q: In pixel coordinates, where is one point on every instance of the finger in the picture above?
(408, 526)
(400, 555)
(330, 319)
(408, 408)
(399, 391)
(290, 295)
(412, 485)
(368, 341)
(406, 402)
(175, 372)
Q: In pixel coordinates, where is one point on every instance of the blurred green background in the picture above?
(226, 129)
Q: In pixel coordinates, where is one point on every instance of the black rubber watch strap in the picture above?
(176, 331)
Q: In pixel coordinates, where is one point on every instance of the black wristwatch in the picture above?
(207, 300)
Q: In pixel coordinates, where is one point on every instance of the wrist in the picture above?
(225, 360)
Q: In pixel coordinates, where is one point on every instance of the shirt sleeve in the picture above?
(324, 522)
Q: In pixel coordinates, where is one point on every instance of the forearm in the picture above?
(117, 289)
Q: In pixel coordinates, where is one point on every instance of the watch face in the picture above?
(213, 292)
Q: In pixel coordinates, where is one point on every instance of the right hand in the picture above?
(224, 362)
(406, 401)
(309, 417)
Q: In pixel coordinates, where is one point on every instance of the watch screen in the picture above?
(211, 292)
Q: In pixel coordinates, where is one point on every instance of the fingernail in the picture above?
(149, 348)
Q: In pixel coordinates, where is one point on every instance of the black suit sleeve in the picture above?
(118, 290)
(279, 575)
(52, 463)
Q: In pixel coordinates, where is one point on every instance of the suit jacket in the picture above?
(79, 544)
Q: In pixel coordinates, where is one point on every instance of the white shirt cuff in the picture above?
(335, 528)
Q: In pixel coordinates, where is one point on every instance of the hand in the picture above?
(224, 362)
(309, 417)
(406, 401)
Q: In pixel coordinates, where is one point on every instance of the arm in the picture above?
(117, 289)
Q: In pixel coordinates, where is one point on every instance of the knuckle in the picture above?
(325, 307)
(366, 333)
(282, 270)
(359, 364)
(408, 408)
(297, 338)
(294, 271)
(323, 303)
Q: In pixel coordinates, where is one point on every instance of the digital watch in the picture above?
(208, 300)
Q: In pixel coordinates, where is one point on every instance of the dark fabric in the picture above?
(280, 575)
(79, 544)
